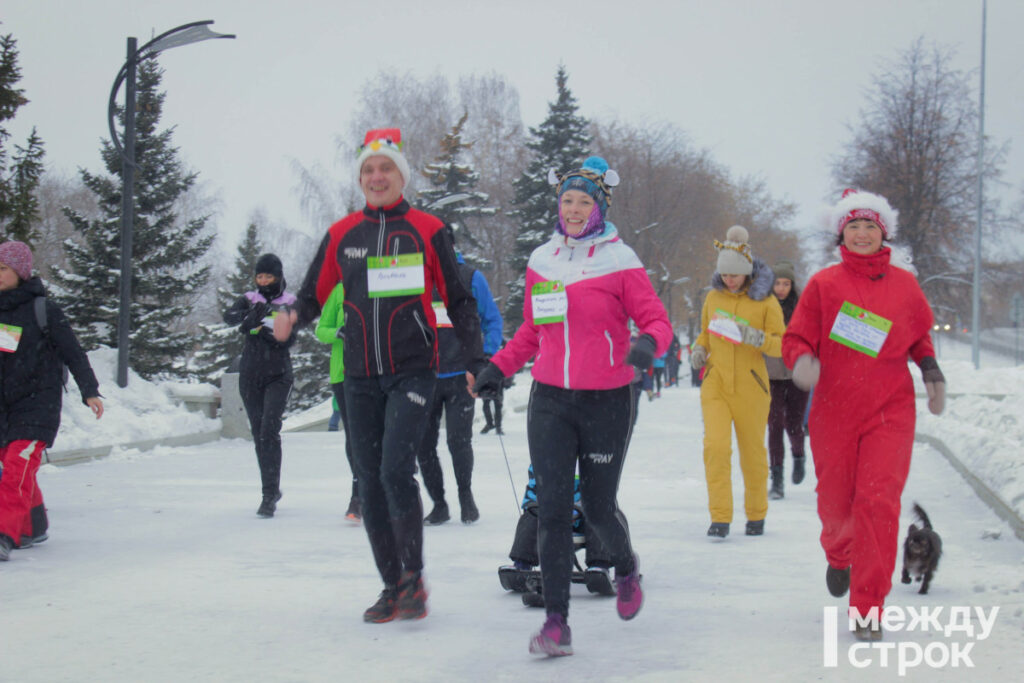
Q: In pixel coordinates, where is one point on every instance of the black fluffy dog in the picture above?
(921, 551)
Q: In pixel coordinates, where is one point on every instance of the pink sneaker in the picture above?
(554, 638)
(630, 596)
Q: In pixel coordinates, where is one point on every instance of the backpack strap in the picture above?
(40, 307)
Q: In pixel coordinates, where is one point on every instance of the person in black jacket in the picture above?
(390, 257)
(453, 400)
(32, 359)
(265, 373)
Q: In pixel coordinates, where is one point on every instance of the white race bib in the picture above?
(10, 337)
(399, 275)
(723, 324)
(860, 330)
(441, 314)
(550, 302)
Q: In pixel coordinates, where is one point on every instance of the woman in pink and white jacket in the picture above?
(582, 288)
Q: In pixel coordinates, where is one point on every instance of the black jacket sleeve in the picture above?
(307, 306)
(70, 351)
(460, 303)
(237, 312)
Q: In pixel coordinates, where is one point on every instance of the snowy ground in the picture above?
(158, 569)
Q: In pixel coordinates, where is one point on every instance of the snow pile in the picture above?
(142, 410)
(982, 424)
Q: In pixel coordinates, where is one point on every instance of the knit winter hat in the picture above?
(865, 205)
(386, 142)
(269, 264)
(784, 270)
(594, 178)
(734, 255)
(18, 257)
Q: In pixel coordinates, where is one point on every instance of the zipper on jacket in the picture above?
(376, 300)
(760, 381)
(423, 328)
(611, 349)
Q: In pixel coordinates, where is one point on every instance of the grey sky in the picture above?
(768, 87)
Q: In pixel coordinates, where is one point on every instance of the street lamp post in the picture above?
(176, 37)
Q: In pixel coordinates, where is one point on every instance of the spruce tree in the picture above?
(222, 343)
(167, 253)
(560, 143)
(452, 196)
(19, 207)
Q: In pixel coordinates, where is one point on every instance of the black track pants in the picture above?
(593, 427)
(264, 399)
(387, 417)
(452, 398)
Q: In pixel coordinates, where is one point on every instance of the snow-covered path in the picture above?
(157, 569)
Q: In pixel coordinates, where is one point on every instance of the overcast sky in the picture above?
(767, 86)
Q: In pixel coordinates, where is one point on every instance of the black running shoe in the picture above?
(6, 546)
(412, 597)
(837, 580)
(755, 527)
(269, 505)
(470, 513)
(439, 515)
(718, 529)
(384, 609)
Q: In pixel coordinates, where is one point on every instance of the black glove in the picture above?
(934, 384)
(641, 354)
(488, 382)
(254, 318)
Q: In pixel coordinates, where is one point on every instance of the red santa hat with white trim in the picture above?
(858, 204)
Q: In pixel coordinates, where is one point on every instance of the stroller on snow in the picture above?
(523, 577)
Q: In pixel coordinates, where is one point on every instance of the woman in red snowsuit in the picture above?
(850, 337)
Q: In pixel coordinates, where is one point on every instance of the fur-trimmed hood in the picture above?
(762, 279)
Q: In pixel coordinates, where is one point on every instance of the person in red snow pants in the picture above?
(850, 337)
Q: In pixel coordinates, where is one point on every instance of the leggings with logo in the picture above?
(592, 427)
(388, 417)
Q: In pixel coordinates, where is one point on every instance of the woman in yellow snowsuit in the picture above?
(741, 320)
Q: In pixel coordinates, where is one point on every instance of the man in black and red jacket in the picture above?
(390, 258)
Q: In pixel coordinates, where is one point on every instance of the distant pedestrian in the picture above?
(453, 401)
(789, 402)
(265, 372)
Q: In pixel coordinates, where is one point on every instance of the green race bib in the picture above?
(10, 337)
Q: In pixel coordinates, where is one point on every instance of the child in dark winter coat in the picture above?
(31, 386)
(265, 373)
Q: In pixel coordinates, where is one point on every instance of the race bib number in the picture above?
(400, 275)
(549, 301)
(441, 314)
(723, 324)
(10, 336)
(860, 330)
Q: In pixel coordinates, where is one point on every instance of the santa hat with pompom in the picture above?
(857, 204)
(734, 255)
